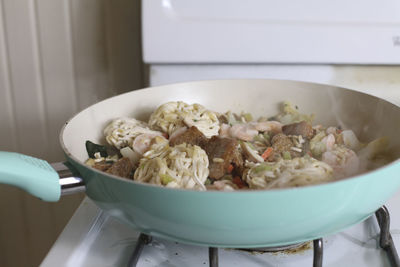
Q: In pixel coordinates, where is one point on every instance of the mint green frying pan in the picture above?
(225, 219)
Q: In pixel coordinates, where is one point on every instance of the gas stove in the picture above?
(92, 238)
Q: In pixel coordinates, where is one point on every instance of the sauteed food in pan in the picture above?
(191, 147)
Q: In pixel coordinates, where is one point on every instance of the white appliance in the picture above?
(352, 44)
(93, 239)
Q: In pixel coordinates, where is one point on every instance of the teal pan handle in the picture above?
(37, 176)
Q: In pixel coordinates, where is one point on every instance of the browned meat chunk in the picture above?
(191, 136)
(282, 143)
(222, 154)
(302, 128)
(123, 168)
(102, 165)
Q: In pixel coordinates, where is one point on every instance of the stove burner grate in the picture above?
(275, 249)
(385, 242)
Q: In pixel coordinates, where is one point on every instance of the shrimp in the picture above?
(142, 142)
(331, 130)
(222, 185)
(318, 127)
(247, 131)
(268, 126)
(343, 161)
(350, 140)
(329, 141)
(178, 132)
(224, 130)
(243, 131)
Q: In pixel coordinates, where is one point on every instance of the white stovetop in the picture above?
(91, 238)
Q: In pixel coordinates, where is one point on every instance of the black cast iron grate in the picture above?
(385, 242)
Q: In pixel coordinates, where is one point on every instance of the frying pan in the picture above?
(225, 219)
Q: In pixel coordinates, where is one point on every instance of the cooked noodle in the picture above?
(174, 115)
(181, 166)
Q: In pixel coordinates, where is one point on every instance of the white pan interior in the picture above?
(368, 116)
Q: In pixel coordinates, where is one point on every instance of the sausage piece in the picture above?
(191, 136)
(302, 128)
(282, 143)
(102, 165)
(123, 168)
(218, 148)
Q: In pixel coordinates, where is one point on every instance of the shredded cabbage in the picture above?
(287, 173)
(316, 145)
(291, 114)
(374, 148)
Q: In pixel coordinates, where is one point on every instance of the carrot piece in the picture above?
(239, 182)
(230, 168)
(267, 153)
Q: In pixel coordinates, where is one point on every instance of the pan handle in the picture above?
(36, 176)
(70, 181)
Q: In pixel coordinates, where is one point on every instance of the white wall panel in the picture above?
(7, 116)
(57, 70)
(25, 76)
(56, 58)
(90, 51)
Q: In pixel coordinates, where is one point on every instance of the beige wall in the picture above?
(56, 57)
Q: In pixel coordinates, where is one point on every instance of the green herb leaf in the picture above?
(262, 168)
(93, 148)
